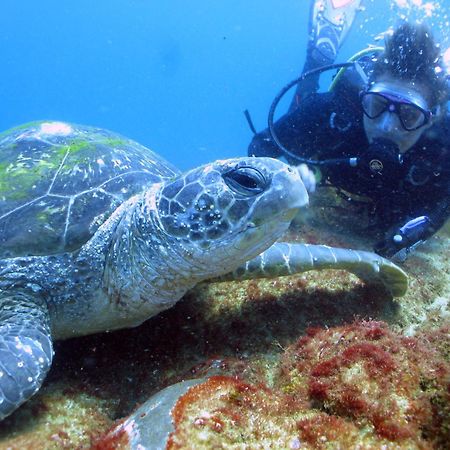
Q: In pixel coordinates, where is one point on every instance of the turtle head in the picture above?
(225, 213)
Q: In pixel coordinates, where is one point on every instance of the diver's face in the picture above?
(388, 124)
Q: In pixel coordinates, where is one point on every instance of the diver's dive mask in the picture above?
(412, 113)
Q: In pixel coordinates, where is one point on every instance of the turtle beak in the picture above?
(294, 196)
(286, 196)
(292, 192)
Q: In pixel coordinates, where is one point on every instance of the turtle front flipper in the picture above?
(287, 259)
(26, 349)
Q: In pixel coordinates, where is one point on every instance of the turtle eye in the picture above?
(245, 180)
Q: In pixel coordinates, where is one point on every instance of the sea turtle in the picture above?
(99, 233)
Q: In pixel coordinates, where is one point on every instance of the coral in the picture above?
(354, 386)
(225, 412)
(394, 385)
(61, 418)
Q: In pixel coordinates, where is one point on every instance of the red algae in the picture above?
(379, 361)
(389, 429)
(219, 411)
(374, 330)
(325, 368)
(212, 385)
(365, 373)
(353, 403)
(318, 390)
(115, 439)
(323, 429)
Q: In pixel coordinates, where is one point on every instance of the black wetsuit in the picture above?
(330, 125)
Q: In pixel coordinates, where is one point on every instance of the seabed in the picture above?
(315, 361)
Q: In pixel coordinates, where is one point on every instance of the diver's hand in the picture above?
(307, 176)
(405, 239)
(387, 247)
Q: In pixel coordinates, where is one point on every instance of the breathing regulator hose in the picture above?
(352, 62)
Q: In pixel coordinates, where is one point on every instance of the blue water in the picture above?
(174, 75)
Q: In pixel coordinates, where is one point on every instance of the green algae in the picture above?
(3, 182)
(54, 422)
(18, 178)
(77, 145)
(114, 142)
(44, 215)
(296, 379)
(21, 127)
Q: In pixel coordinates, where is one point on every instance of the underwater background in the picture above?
(176, 76)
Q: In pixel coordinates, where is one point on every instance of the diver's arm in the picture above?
(299, 131)
(435, 203)
(438, 215)
(262, 143)
(407, 236)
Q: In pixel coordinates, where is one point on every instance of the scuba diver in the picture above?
(380, 136)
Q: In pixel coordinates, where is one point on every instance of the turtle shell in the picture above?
(59, 182)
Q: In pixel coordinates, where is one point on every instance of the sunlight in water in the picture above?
(427, 8)
(446, 58)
